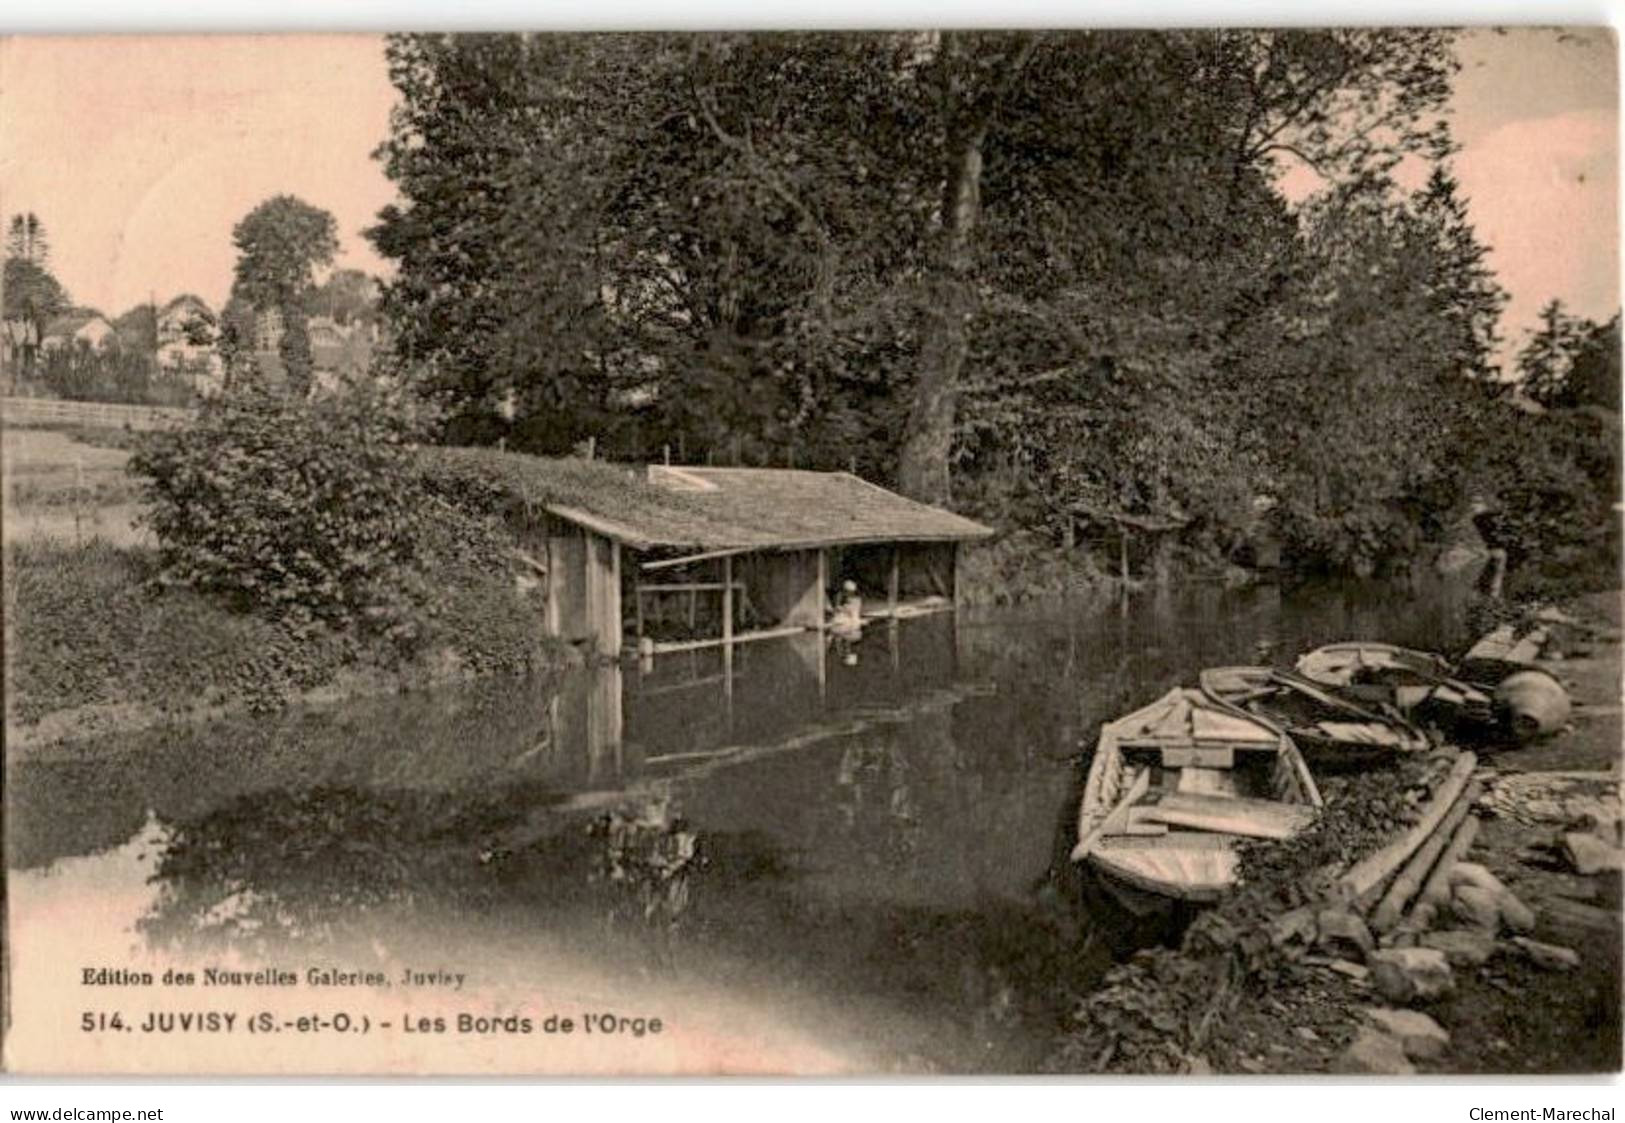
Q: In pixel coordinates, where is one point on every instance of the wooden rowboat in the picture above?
(1418, 684)
(1331, 731)
(1174, 786)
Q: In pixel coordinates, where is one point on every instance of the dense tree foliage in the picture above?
(1057, 269)
(26, 239)
(30, 296)
(1569, 361)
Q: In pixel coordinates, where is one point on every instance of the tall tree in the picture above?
(30, 297)
(869, 246)
(25, 239)
(280, 245)
(1594, 379)
(1546, 359)
(1464, 292)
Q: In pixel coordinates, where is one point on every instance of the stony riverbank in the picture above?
(1247, 992)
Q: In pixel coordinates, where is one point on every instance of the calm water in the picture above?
(877, 832)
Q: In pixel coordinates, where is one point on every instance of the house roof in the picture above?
(185, 299)
(708, 509)
(70, 322)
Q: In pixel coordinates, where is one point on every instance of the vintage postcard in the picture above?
(928, 552)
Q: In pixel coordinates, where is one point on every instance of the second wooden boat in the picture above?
(1176, 785)
(1331, 731)
(1419, 684)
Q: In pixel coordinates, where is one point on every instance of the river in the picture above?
(876, 834)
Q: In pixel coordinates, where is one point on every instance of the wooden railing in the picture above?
(104, 415)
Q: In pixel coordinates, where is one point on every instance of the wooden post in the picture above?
(728, 633)
(1122, 546)
(78, 499)
(823, 589)
(637, 595)
(555, 582)
(953, 574)
(727, 600)
(891, 584)
(611, 629)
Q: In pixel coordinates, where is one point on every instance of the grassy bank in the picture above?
(95, 642)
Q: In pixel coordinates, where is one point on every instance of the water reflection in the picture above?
(877, 839)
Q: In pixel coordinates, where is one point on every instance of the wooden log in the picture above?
(1574, 915)
(1437, 890)
(1118, 815)
(1362, 881)
(1409, 882)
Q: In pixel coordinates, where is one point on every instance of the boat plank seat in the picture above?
(1217, 781)
(1252, 818)
(1164, 743)
(1199, 757)
(1212, 725)
(1173, 840)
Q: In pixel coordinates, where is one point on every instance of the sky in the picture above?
(141, 153)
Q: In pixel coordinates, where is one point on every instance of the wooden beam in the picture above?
(691, 587)
(742, 637)
(690, 559)
(1366, 875)
(728, 599)
(607, 527)
(611, 629)
(799, 544)
(637, 597)
(823, 588)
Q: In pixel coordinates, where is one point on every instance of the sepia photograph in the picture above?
(908, 553)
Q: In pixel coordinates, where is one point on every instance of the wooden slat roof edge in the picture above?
(982, 530)
(626, 536)
(609, 528)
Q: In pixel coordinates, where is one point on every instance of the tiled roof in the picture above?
(711, 508)
(70, 322)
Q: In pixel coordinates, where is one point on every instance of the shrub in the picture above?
(303, 512)
(89, 374)
(87, 626)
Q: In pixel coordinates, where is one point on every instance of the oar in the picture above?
(1137, 787)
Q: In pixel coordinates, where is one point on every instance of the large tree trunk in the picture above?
(928, 440)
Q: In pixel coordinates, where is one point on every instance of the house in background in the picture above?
(19, 343)
(337, 350)
(84, 326)
(186, 332)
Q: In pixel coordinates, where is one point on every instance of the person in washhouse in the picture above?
(846, 622)
(847, 615)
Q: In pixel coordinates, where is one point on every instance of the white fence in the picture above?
(104, 415)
